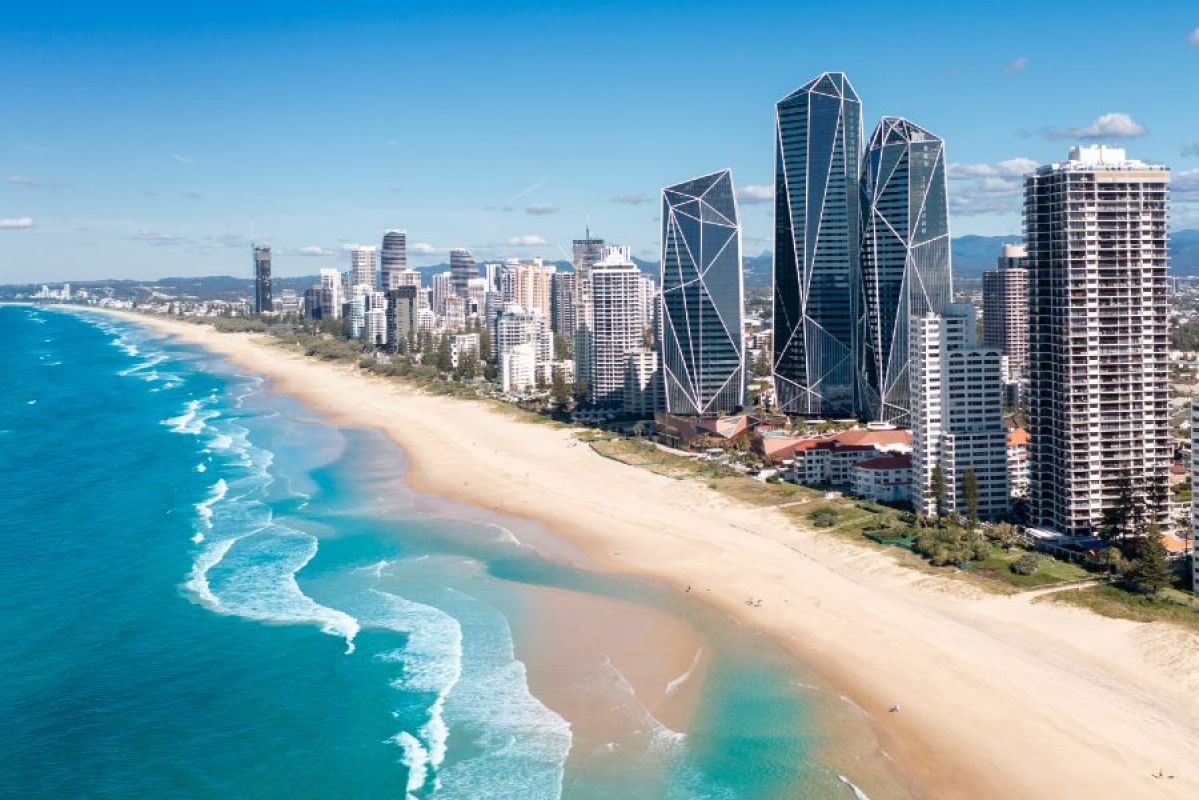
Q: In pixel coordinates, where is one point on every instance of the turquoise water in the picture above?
(206, 591)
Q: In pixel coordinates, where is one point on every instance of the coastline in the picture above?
(1000, 697)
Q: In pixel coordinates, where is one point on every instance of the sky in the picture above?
(147, 140)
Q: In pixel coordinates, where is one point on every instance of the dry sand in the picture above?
(1000, 697)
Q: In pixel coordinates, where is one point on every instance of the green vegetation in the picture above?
(1026, 564)
(824, 517)
(1185, 336)
(1111, 601)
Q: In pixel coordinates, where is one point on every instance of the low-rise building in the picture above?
(884, 479)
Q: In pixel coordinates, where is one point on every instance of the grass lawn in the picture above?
(1112, 601)
(997, 566)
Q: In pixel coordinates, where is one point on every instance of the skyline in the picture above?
(311, 129)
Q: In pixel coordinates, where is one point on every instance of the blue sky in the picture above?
(143, 141)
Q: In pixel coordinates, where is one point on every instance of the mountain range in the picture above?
(971, 255)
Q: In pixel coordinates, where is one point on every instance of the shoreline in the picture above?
(1000, 697)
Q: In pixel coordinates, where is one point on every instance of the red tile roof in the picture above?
(886, 462)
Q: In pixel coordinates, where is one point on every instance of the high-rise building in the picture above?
(1096, 226)
(491, 271)
(362, 267)
(616, 325)
(393, 259)
(462, 269)
(476, 292)
(562, 303)
(374, 329)
(262, 279)
(905, 260)
(642, 382)
(443, 287)
(818, 146)
(532, 283)
(454, 317)
(519, 326)
(957, 416)
(703, 352)
(402, 308)
(1195, 497)
(585, 252)
(1005, 307)
(331, 294)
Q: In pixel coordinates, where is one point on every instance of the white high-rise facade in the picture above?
(330, 294)
(616, 325)
(1096, 226)
(957, 416)
(362, 267)
(374, 327)
(443, 287)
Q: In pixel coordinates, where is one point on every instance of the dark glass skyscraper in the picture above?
(702, 347)
(816, 246)
(905, 260)
(462, 269)
(262, 279)
(393, 258)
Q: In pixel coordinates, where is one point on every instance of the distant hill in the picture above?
(971, 255)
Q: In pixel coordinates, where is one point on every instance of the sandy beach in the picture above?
(1000, 697)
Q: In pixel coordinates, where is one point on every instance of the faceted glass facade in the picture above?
(702, 348)
(905, 260)
(817, 237)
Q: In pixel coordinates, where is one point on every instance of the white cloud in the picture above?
(1018, 65)
(423, 248)
(313, 250)
(1012, 167)
(181, 159)
(995, 188)
(635, 199)
(13, 223)
(541, 209)
(755, 194)
(23, 181)
(529, 240)
(1113, 125)
(156, 237)
(1193, 38)
(1185, 186)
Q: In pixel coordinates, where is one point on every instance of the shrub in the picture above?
(823, 518)
(1026, 564)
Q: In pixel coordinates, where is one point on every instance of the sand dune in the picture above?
(1000, 697)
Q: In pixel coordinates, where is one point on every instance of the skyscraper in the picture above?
(1099, 387)
(616, 318)
(531, 289)
(1005, 307)
(957, 416)
(703, 354)
(402, 305)
(586, 252)
(331, 294)
(818, 145)
(362, 267)
(393, 258)
(442, 288)
(905, 260)
(462, 269)
(262, 279)
(562, 303)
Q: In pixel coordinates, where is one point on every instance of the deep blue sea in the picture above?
(206, 591)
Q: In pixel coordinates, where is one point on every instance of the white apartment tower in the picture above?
(1005, 307)
(331, 297)
(362, 266)
(957, 416)
(1096, 228)
(616, 324)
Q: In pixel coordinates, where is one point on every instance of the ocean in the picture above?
(207, 591)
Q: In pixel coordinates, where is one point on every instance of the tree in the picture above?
(1153, 572)
(562, 346)
(484, 343)
(761, 366)
(1026, 564)
(1119, 516)
(970, 495)
(937, 487)
(444, 358)
(559, 391)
